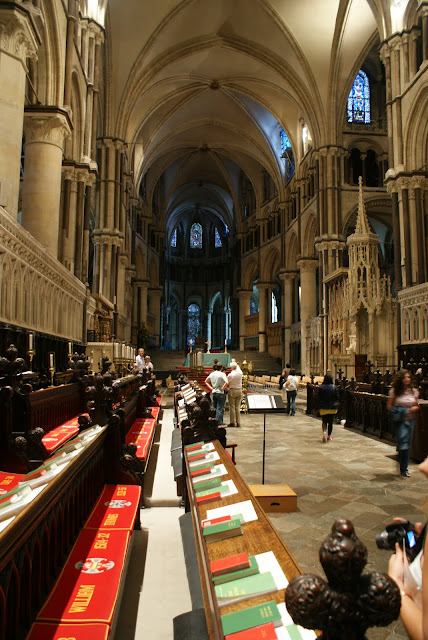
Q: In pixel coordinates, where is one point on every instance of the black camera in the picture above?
(399, 532)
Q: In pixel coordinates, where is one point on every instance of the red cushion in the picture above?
(87, 588)
(141, 434)
(53, 631)
(58, 436)
(9, 481)
(116, 508)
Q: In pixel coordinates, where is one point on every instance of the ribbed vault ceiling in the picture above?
(201, 87)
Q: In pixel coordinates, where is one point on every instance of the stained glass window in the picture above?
(217, 239)
(193, 321)
(196, 236)
(285, 142)
(174, 239)
(359, 100)
(286, 153)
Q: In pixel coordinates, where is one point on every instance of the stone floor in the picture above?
(353, 476)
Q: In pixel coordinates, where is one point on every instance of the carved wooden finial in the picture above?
(349, 603)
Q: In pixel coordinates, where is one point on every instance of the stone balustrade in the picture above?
(36, 291)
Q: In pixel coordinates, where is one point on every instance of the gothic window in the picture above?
(287, 154)
(274, 308)
(359, 100)
(174, 239)
(193, 322)
(253, 307)
(196, 236)
(217, 239)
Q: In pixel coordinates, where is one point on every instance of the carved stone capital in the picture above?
(95, 31)
(307, 265)
(18, 34)
(46, 125)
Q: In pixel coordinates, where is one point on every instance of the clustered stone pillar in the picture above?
(287, 301)
(307, 268)
(45, 130)
(244, 310)
(19, 41)
(155, 302)
(262, 316)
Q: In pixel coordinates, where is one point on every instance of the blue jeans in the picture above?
(219, 400)
(291, 400)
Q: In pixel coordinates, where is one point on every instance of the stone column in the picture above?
(19, 41)
(155, 300)
(209, 326)
(287, 312)
(307, 268)
(244, 310)
(262, 316)
(45, 130)
(144, 287)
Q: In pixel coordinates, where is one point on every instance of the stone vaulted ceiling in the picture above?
(200, 88)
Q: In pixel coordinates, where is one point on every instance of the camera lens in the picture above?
(382, 540)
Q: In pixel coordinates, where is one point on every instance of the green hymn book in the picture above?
(251, 617)
(223, 530)
(256, 585)
(202, 465)
(207, 484)
(236, 575)
(206, 492)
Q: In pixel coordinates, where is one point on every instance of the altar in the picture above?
(208, 359)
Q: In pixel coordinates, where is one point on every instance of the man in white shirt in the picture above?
(140, 364)
(217, 383)
(234, 382)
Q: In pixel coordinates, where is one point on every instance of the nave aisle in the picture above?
(156, 586)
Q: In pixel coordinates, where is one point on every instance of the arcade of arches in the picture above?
(245, 172)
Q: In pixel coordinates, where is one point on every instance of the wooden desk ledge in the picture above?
(54, 631)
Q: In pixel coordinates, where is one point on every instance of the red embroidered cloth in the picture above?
(58, 436)
(86, 590)
(116, 508)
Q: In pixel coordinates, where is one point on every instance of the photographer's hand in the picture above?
(396, 566)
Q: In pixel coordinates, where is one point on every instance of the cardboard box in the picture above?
(278, 498)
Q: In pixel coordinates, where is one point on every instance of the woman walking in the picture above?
(403, 405)
(328, 402)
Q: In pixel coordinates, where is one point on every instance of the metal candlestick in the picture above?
(31, 354)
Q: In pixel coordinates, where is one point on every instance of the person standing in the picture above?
(217, 383)
(403, 405)
(328, 402)
(234, 385)
(148, 364)
(140, 364)
(291, 386)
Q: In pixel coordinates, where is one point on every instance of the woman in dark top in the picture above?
(327, 404)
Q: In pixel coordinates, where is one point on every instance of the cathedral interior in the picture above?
(246, 175)
(250, 173)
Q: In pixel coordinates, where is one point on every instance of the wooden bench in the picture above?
(35, 543)
(138, 441)
(87, 590)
